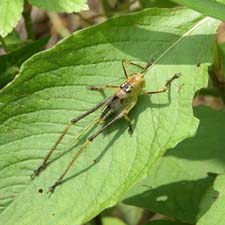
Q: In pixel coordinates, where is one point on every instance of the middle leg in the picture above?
(130, 126)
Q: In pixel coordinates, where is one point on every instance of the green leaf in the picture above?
(10, 63)
(10, 12)
(51, 89)
(67, 6)
(179, 181)
(215, 214)
(164, 222)
(112, 221)
(208, 7)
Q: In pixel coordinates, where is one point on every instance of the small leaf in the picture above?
(67, 6)
(51, 90)
(10, 12)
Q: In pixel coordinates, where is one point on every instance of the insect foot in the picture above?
(177, 75)
(93, 88)
(37, 171)
(52, 188)
(151, 61)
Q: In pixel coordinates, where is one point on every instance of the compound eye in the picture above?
(128, 89)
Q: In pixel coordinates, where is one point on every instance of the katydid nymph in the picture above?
(115, 108)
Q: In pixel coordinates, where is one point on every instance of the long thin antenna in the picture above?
(179, 40)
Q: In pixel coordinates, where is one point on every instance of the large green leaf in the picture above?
(211, 8)
(10, 12)
(179, 181)
(215, 215)
(67, 6)
(50, 90)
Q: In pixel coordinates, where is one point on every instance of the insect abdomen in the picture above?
(114, 106)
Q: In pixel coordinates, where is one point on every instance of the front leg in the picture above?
(130, 129)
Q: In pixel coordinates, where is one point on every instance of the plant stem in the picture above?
(58, 25)
(28, 21)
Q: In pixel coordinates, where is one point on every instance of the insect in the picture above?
(115, 108)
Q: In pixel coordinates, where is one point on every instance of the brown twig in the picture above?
(58, 25)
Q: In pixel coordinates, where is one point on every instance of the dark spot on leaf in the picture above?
(40, 190)
(53, 214)
(198, 65)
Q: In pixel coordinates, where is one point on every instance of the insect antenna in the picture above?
(154, 57)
